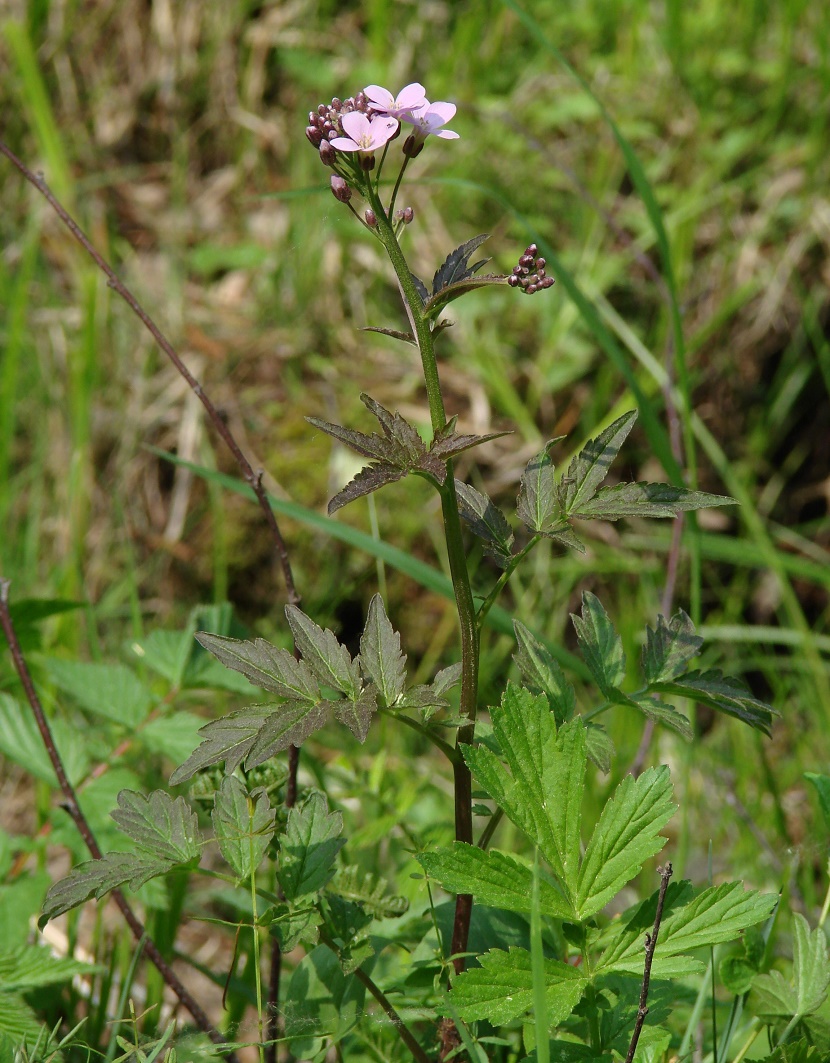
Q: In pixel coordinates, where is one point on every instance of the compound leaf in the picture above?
(369, 479)
(357, 714)
(309, 847)
(644, 500)
(723, 693)
(95, 878)
(244, 825)
(286, 725)
(486, 521)
(775, 997)
(266, 666)
(328, 660)
(161, 826)
(590, 466)
(456, 265)
(228, 739)
(537, 505)
(601, 646)
(670, 647)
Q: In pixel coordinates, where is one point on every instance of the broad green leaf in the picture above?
(328, 660)
(625, 836)
(542, 794)
(309, 847)
(244, 824)
(293, 926)
(738, 971)
(174, 736)
(590, 466)
(493, 878)
(168, 653)
(367, 890)
(690, 921)
(33, 966)
(109, 690)
(161, 826)
(95, 878)
(541, 673)
(723, 693)
(266, 666)
(320, 1002)
(645, 500)
(228, 739)
(660, 712)
(775, 997)
(380, 653)
(501, 990)
(20, 741)
(537, 505)
(822, 785)
(486, 521)
(18, 1023)
(357, 715)
(669, 648)
(601, 646)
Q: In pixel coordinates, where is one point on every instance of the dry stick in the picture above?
(253, 479)
(651, 944)
(70, 804)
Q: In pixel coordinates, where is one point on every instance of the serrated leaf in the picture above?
(420, 287)
(368, 890)
(396, 334)
(294, 926)
(645, 500)
(660, 712)
(441, 299)
(30, 967)
(447, 443)
(624, 838)
(369, 479)
(286, 725)
(566, 537)
(380, 653)
(266, 666)
(670, 647)
(95, 878)
(486, 521)
(501, 989)
(796, 1052)
(369, 446)
(537, 504)
(348, 923)
(493, 878)
(590, 466)
(600, 645)
(599, 747)
(309, 847)
(542, 793)
(721, 692)
(804, 994)
(244, 825)
(18, 1025)
(456, 265)
(228, 739)
(357, 715)
(447, 678)
(109, 690)
(328, 660)
(690, 921)
(542, 673)
(160, 825)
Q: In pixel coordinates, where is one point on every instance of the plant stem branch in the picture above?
(73, 808)
(651, 944)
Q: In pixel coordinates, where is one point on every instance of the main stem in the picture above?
(458, 567)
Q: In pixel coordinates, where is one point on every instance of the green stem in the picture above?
(501, 583)
(457, 558)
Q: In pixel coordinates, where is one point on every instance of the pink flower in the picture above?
(367, 135)
(408, 99)
(429, 118)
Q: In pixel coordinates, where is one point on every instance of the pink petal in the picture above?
(446, 134)
(382, 129)
(413, 95)
(445, 111)
(379, 95)
(356, 124)
(344, 144)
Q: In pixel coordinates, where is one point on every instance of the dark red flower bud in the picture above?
(340, 189)
(327, 154)
(371, 218)
(408, 215)
(314, 135)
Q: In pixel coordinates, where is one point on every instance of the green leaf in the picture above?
(494, 878)
(690, 921)
(542, 674)
(601, 647)
(486, 521)
(501, 990)
(537, 505)
(590, 466)
(380, 653)
(368, 890)
(660, 712)
(161, 826)
(723, 693)
(244, 825)
(670, 647)
(357, 715)
(542, 794)
(95, 878)
(625, 836)
(174, 736)
(309, 847)
(293, 926)
(822, 785)
(738, 971)
(32, 966)
(645, 500)
(797, 1052)
(228, 739)
(328, 660)
(109, 690)
(18, 1022)
(775, 997)
(321, 1001)
(266, 666)
(599, 747)
(20, 741)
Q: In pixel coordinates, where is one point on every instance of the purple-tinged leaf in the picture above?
(369, 446)
(566, 537)
(590, 466)
(645, 500)
(287, 725)
(420, 287)
(446, 444)
(357, 714)
(95, 878)
(486, 521)
(437, 302)
(456, 264)
(328, 660)
(721, 692)
(407, 337)
(266, 666)
(369, 479)
(669, 648)
(228, 739)
(161, 826)
(380, 653)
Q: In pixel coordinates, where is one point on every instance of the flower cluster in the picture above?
(529, 273)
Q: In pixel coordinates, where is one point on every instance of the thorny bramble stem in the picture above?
(73, 808)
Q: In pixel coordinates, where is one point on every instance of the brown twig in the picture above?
(73, 808)
(651, 944)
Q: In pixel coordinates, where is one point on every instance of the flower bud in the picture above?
(314, 135)
(408, 215)
(371, 218)
(367, 162)
(340, 189)
(327, 154)
(411, 147)
(513, 280)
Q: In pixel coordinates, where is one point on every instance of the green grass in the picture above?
(672, 165)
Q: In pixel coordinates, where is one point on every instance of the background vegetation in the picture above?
(175, 133)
